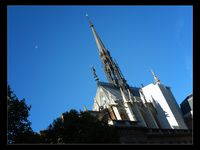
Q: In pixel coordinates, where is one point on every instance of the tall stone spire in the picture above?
(99, 43)
(111, 69)
(156, 80)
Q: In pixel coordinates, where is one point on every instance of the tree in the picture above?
(19, 127)
(74, 127)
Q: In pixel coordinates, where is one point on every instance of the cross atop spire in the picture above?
(91, 25)
(156, 80)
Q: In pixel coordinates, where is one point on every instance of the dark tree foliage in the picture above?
(19, 130)
(72, 127)
(81, 127)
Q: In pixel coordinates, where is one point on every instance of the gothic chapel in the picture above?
(151, 106)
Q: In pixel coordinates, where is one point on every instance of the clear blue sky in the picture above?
(51, 49)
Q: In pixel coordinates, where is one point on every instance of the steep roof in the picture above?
(115, 91)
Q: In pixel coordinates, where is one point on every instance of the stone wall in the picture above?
(135, 135)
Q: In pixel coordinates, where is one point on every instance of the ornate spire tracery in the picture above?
(111, 68)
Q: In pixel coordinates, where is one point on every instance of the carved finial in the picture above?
(95, 75)
(62, 117)
(85, 108)
(156, 80)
